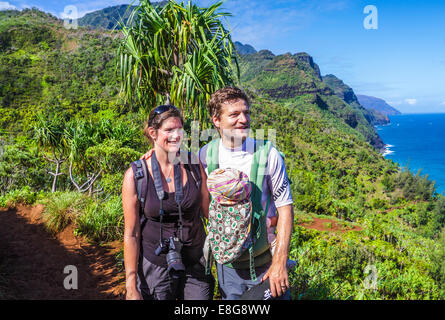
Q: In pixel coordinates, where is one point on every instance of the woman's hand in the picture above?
(147, 155)
(133, 294)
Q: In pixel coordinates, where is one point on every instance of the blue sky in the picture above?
(402, 61)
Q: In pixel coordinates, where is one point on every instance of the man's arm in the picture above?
(277, 273)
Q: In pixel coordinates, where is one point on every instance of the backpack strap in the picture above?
(212, 157)
(192, 165)
(140, 173)
(259, 243)
(257, 173)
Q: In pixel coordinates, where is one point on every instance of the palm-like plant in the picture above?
(49, 134)
(178, 54)
(81, 135)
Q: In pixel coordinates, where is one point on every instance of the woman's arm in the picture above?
(204, 193)
(132, 235)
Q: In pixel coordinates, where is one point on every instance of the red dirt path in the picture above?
(32, 261)
(328, 225)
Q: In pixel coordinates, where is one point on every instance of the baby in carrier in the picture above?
(231, 207)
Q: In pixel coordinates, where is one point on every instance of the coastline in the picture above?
(386, 150)
(419, 144)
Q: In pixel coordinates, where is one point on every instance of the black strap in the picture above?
(159, 191)
(192, 165)
(179, 195)
(194, 169)
(140, 174)
(157, 177)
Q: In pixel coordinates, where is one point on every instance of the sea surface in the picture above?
(419, 141)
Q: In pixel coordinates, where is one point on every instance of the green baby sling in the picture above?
(258, 251)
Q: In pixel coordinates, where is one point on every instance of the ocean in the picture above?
(419, 141)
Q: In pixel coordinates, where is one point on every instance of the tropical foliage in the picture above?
(177, 54)
(59, 100)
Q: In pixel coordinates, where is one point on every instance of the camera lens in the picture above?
(175, 266)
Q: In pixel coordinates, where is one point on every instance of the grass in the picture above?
(62, 209)
(301, 217)
(100, 220)
(327, 225)
(21, 196)
(103, 220)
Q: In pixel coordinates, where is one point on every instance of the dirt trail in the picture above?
(32, 261)
(329, 225)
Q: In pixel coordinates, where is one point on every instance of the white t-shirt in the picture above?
(275, 181)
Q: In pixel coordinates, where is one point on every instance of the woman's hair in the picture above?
(158, 115)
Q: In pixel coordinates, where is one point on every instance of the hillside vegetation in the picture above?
(64, 82)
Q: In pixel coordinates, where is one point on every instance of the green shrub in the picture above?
(377, 203)
(20, 196)
(437, 270)
(112, 183)
(102, 220)
(62, 209)
(415, 187)
(21, 166)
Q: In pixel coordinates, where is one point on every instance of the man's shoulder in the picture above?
(274, 153)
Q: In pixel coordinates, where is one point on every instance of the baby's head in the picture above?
(229, 186)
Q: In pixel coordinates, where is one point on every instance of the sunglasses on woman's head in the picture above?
(161, 109)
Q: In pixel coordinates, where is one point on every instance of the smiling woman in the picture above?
(164, 234)
(164, 127)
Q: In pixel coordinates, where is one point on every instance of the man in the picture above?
(229, 110)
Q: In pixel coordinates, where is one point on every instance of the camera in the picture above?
(172, 246)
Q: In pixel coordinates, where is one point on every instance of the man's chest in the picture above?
(241, 161)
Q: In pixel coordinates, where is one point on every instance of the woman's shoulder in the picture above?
(130, 172)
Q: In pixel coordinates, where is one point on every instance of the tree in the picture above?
(80, 136)
(176, 53)
(99, 148)
(50, 135)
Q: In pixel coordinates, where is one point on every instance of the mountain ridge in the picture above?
(378, 104)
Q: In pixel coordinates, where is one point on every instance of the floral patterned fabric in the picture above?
(229, 214)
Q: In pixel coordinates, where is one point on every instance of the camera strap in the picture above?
(179, 194)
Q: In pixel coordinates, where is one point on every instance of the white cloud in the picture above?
(7, 6)
(411, 101)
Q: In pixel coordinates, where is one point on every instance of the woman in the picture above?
(147, 272)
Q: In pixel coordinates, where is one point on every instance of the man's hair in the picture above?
(227, 94)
